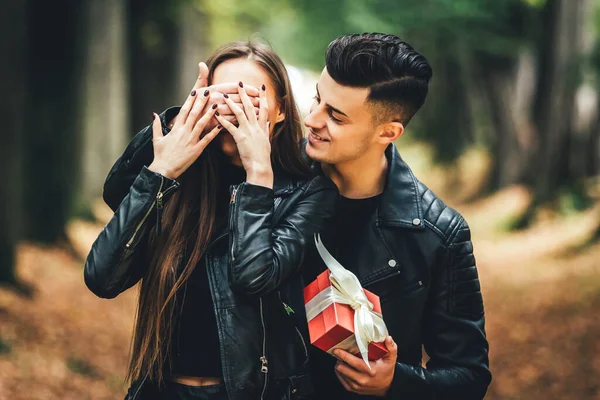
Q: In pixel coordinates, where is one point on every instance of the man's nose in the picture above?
(314, 119)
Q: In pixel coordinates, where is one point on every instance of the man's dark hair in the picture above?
(397, 76)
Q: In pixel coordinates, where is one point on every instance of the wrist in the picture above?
(260, 176)
(163, 170)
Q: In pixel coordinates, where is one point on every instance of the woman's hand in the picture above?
(252, 136)
(175, 152)
(216, 96)
(217, 93)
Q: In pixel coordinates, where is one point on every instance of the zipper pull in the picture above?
(233, 192)
(264, 368)
(289, 310)
(159, 209)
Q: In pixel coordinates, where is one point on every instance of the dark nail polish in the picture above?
(193, 92)
(241, 84)
(216, 113)
(153, 116)
(219, 126)
(206, 92)
(214, 106)
(263, 87)
(226, 95)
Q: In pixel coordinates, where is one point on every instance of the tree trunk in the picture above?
(105, 124)
(593, 150)
(52, 144)
(153, 59)
(559, 71)
(447, 112)
(192, 47)
(13, 25)
(499, 75)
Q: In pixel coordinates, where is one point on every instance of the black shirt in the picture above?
(344, 233)
(195, 344)
(351, 219)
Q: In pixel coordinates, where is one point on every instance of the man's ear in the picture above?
(390, 131)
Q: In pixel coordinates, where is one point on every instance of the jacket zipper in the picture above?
(139, 388)
(264, 368)
(303, 343)
(264, 363)
(234, 190)
(159, 194)
(159, 210)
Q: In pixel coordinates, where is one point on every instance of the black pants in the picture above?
(178, 391)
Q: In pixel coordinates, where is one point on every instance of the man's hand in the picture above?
(356, 377)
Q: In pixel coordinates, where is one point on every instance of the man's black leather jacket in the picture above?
(417, 256)
(252, 267)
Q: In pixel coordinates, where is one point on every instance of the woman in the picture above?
(215, 228)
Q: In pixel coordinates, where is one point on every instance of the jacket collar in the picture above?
(400, 203)
(282, 187)
(283, 184)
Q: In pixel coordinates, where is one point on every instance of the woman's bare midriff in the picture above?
(196, 380)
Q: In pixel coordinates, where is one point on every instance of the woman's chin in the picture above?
(229, 147)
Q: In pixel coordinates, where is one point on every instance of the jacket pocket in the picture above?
(394, 286)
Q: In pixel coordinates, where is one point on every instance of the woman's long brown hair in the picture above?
(189, 218)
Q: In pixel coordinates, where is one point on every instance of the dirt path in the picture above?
(541, 301)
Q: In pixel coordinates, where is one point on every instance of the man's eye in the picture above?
(334, 119)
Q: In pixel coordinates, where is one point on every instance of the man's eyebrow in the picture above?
(330, 106)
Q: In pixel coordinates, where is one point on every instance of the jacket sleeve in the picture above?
(116, 261)
(139, 153)
(264, 255)
(454, 334)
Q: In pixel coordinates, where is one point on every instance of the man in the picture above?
(392, 232)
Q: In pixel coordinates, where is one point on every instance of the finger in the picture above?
(348, 372)
(232, 88)
(230, 118)
(248, 107)
(353, 361)
(263, 108)
(156, 128)
(236, 98)
(237, 111)
(344, 382)
(206, 139)
(202, 80)
(224, 109)
(186, 107)
(231, 128)
(392, 349)
(203, 121)
(196, 111)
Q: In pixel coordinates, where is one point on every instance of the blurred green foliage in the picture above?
(81, 367)
(5, 347)
(450, 33)
(300, 31)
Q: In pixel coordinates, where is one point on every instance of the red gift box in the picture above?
(334, 327)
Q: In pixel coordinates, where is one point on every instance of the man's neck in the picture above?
(360, 178)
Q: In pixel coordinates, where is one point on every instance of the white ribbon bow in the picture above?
(346, 289)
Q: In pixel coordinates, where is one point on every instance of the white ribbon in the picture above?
(346, 289)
